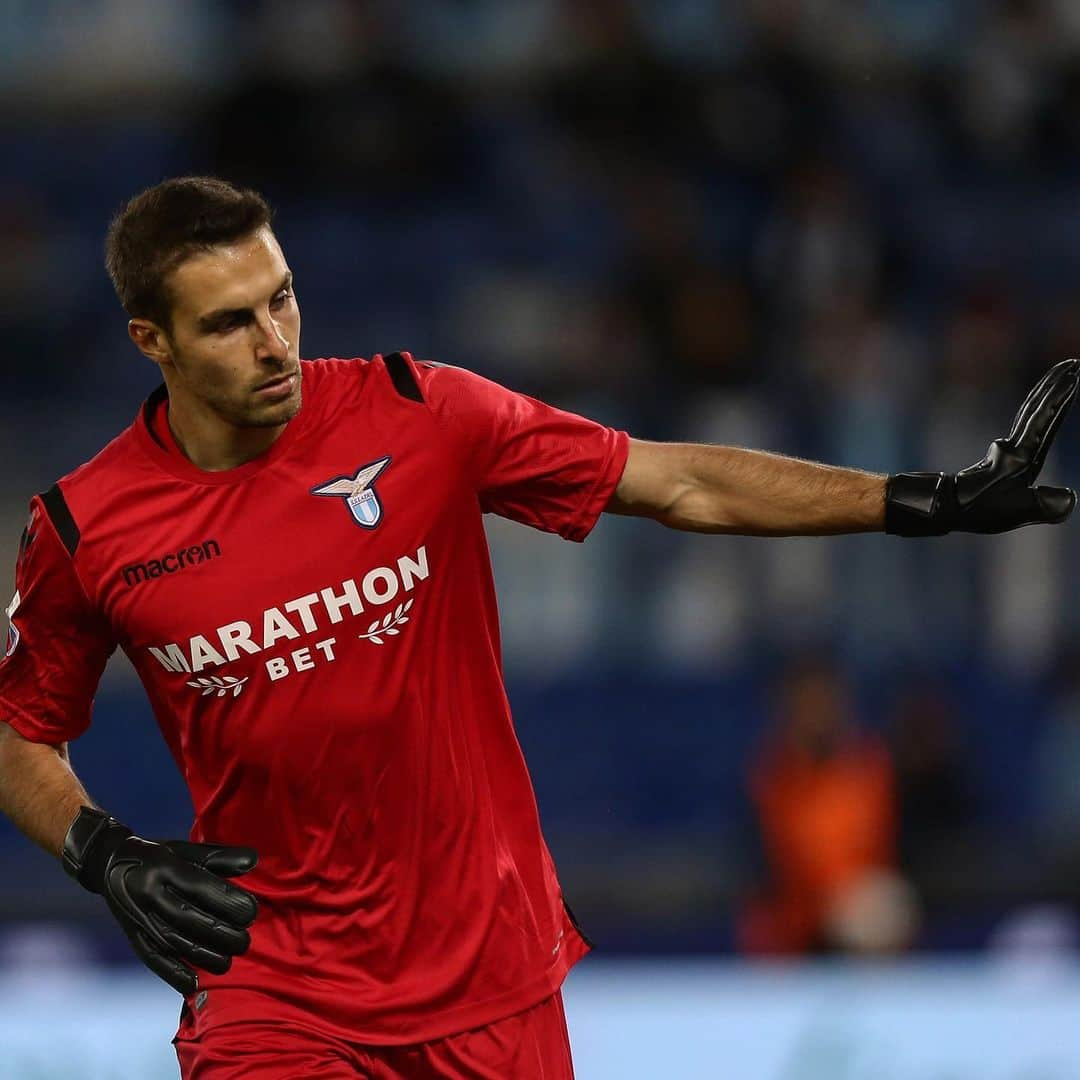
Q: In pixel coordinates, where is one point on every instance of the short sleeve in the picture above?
(529, 461)
(57, 645)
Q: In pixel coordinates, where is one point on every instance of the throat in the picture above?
(211, 443)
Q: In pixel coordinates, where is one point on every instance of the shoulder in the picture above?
(86, 494)
(395, 374)
(448, 391)
(396, 377)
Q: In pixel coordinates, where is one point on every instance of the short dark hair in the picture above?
(162, 226)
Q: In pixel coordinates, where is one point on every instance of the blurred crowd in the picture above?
(842, 229)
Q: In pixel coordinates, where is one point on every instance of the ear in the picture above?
(151, 340)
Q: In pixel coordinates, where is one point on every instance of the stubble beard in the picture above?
(247, 413)
(271, 415)
(252, 414)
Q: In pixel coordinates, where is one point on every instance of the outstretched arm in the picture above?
(722, 489)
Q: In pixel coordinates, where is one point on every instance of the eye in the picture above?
(279, 300)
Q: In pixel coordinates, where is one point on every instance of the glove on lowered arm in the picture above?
(170, 898)
(999, 492)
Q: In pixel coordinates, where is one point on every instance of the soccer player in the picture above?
(292, 555)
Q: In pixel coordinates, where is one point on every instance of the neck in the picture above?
(213, 444)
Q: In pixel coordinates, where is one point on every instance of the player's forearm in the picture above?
(39, 792)
(751, 492)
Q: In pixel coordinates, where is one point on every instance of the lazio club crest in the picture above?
(359, 493)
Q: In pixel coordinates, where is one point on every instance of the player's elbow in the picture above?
(698, 510)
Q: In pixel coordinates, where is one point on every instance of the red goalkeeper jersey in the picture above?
(318, 636)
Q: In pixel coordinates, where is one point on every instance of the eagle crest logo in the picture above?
(359, 492)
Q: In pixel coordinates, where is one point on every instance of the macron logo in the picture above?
(172, 563)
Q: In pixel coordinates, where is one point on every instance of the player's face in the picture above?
(234, 346)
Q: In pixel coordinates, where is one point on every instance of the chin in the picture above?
(274, 414)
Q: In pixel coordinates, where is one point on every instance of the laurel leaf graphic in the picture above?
(220, 686)
(388, 625)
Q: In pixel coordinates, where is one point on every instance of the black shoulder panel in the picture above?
(57, 508)
(402, 377)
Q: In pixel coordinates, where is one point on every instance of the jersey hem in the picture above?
(406, 1032)
(599, 496)
(25, 725)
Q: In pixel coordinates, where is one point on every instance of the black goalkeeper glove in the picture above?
(169, 898)
(999, 492)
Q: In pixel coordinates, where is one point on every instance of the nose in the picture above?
(271, 343)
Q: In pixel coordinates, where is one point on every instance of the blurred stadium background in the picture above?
(817, 801)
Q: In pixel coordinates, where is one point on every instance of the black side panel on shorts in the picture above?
(57, 508)
(402, 377)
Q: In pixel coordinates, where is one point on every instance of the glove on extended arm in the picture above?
(169, 898)
(999, 492)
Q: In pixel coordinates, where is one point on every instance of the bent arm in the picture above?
(724, 489)
(39, 792)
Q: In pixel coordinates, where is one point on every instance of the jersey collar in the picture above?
(173, 460)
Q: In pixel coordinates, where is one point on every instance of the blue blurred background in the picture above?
(842, 229)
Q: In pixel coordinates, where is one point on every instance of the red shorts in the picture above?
(532, 1045)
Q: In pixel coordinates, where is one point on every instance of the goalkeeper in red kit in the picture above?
(292, 555)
